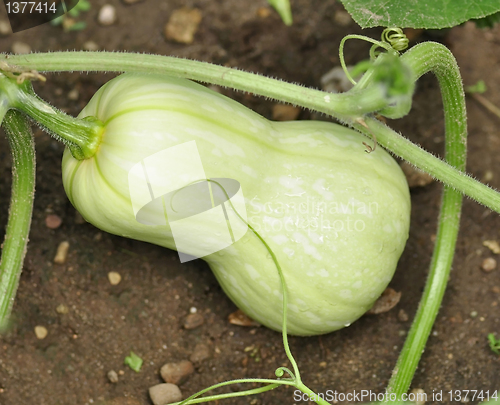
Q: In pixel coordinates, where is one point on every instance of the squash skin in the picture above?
(295, 176)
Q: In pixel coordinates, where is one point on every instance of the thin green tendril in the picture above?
(377, 44)
(396, 38)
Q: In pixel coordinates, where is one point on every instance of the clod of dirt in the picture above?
(492, 245)
(183, 24)
(112, 376)
(283, 112)
(90, 46)
(53, 221)
(489, 264)
(201, 352)
(402, 315)
(62, 253)
(264, 12)
(241, 319)
(62, 309)
(107, 15)
(415, 177)
(20, 48)
(114, 278)
(5, 28)
(193, 321)
(386, 302)
(41, 332)
(177, 373)
(163, 394)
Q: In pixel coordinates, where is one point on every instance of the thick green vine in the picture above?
(23, 190)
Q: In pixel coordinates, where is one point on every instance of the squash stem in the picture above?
(82, 136)
(21, 206)
(423, 58)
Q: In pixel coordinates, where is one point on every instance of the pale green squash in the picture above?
(336, 218)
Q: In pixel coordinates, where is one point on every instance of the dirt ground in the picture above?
(145, 313)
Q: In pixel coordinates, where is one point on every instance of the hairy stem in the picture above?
(21, 206)
(81, 136)
(345, 106)
(439, 60)
(359, 102)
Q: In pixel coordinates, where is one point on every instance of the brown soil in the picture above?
(146, 311)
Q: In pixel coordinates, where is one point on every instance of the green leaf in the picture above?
(284, 10)
(494, 343)
(134, 362)
(418, 14)
(84, 5)
(479, 87)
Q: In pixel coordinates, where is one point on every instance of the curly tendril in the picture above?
(280, 372)
(396, 38)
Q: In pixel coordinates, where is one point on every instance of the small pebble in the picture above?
(107, 15)
(264, 12)
(163, 394)
(62, 253)
(112, 376)
(496, 289)
(201, 352)
(114, 278)
(73, 95)
(182, 25)
(415, 177)
(488, 176)
(335, 80)
(419, 395)
(489, 264)
(402, 315)
(62, 309)
(283, 112)
(5, 28)
(20, 48)
(241, 319)
(41, 332)
(90, 46)
(492, 245)
(193, 321)
(473, 314)
(53, 221)
(177, 373)
(322, 364)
